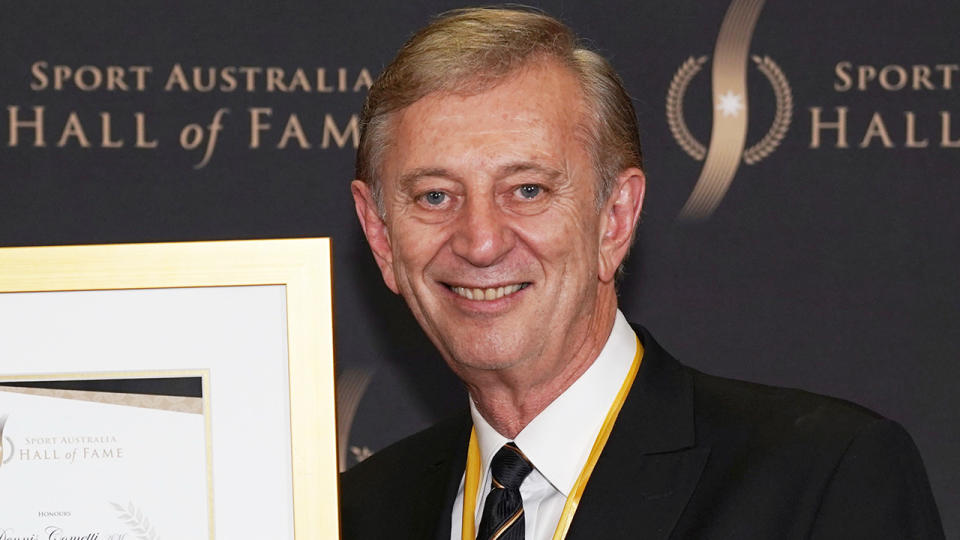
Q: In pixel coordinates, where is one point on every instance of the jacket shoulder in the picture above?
(410, 453)
(730, 405)
(849, 472)
(382, 485)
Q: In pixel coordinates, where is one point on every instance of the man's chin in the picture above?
(484, 341)
(485, 364)
(493, 352)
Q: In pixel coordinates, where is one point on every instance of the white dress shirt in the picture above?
(558, 441)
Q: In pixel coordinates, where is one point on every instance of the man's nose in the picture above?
(483, 235)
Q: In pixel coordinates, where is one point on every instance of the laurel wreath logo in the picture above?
(351, 386)
(766, 145)
(138, 523)
(678, 126)
(6, 445)
(6, 450)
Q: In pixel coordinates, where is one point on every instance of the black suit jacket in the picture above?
(690, 456)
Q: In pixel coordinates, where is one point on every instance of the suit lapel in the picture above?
(438, 485)
(650, 465)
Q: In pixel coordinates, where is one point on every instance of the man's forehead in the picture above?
(542, 86)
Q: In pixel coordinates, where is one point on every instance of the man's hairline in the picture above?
(587, 115)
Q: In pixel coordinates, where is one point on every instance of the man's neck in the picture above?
(511, 399)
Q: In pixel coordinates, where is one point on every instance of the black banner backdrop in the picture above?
(826, 257)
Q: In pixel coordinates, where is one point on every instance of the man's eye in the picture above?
(434, 198)
(529, 191)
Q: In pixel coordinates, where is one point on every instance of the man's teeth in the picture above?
(487, 294)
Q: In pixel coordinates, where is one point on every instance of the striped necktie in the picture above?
(503, 509)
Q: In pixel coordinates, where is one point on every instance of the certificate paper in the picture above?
(233, 337)
(100, 438)
(82, 463)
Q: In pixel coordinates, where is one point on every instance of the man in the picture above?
(499, 184)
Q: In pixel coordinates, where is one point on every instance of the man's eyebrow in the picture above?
(410, 177)
(528, 166)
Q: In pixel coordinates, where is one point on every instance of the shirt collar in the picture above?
(558, 441)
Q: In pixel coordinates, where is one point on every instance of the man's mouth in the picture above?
(490, 293)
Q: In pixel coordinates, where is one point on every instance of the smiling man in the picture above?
(499, 184)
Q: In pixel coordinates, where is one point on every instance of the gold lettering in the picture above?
(866, 74)
(945, 141)
(60, 73)
(275, 79)
(299, 80)
(215, 126)
(115, 79)
(177, 77)
(894, 77)
(198, 83)
(191, 136)
(141, 73)
(885, 79)
(141, 123)
(105, 140)
(912, 141)
(256, 126)
(816, 125)
(37, 68)
(947, 70)
(293, 129)
(921, 77)
(876, 128)
(88, 86)
(89, 78)
(843, 75)
(322, 81)
(73, 128)
(251, 74)
(340, 138)
(363, 80)
(229, 79)
(16, 124)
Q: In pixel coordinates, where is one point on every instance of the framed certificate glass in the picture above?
(178, 390)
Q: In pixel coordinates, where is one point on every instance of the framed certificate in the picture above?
(158, 391)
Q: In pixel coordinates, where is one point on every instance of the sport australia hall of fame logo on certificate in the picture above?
(119, 456)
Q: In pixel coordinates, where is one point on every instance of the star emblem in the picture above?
(730, 104)
(360, 452)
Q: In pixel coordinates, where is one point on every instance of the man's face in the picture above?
(491, 233)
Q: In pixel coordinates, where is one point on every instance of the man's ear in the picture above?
(618, 220)
(375, 230)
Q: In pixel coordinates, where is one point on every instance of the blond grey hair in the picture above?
(470, 50)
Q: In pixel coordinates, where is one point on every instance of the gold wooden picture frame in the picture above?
(300, 266)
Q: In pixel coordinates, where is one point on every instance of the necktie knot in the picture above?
(509, 467)
(503, 509)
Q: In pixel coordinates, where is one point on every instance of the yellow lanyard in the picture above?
(471, 480)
